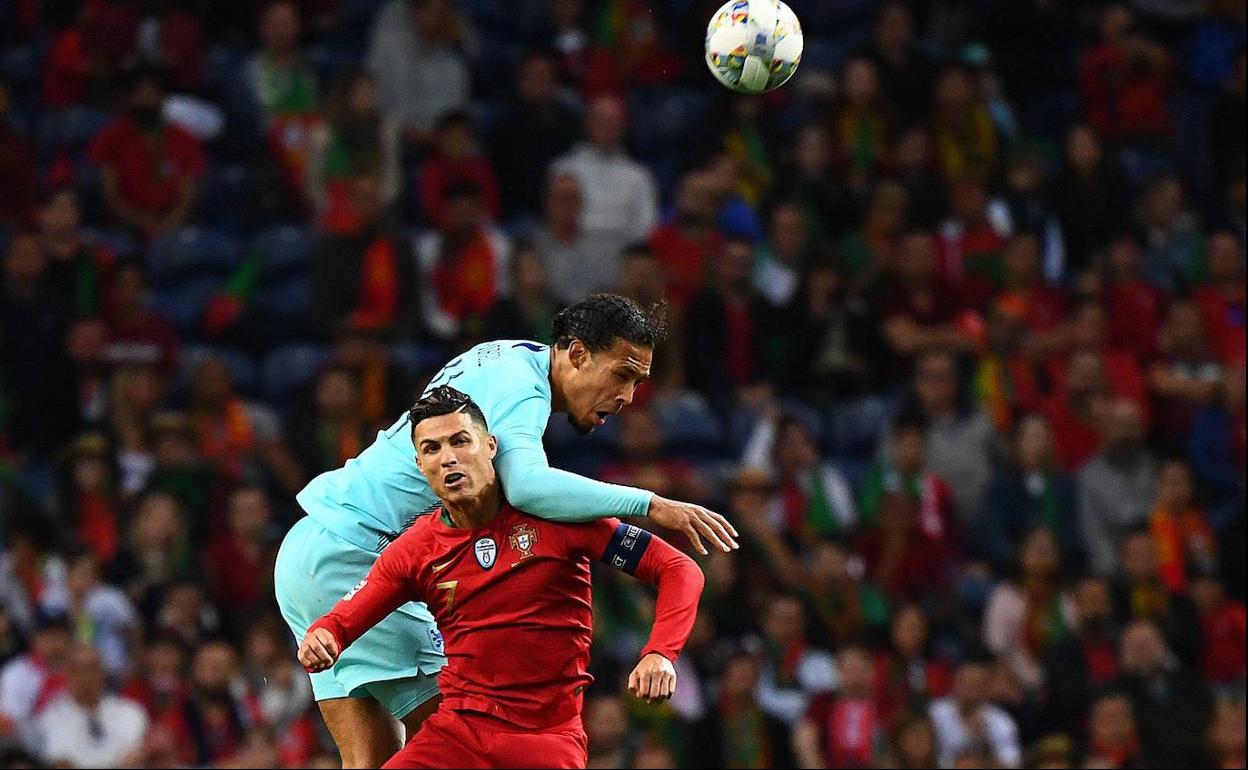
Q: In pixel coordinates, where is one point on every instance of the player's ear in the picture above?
(491, 445)
(578, 354)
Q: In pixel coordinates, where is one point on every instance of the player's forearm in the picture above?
(365, 606)
(534, 487)
(680, 583)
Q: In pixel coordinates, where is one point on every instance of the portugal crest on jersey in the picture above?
(522, 539)
(486, 551)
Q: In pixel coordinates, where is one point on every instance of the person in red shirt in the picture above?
(845, 730)
(148, 167)
(1123, 80)
(457, 159)
(1133, 306)
(689, 240)
(1222, 299)
(512, 595)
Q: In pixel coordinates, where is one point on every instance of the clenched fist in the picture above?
(654, 679)
(319, 650)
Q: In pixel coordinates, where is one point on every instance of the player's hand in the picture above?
(319, 650)
(695, 521)
(654, 679)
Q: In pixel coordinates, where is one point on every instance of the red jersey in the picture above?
(512, 600)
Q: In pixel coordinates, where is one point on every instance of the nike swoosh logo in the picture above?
(439, 567)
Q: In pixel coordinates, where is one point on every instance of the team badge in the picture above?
(522, 539)
(486, 551)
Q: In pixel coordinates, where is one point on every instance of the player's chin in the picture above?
(583, 427)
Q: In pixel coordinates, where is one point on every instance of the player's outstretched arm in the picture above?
(679, 579)
(384, 590)
(531, 485)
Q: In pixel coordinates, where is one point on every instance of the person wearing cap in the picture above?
(29, 682)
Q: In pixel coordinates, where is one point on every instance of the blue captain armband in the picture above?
(626, 547)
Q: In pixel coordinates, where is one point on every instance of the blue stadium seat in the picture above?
(70, 128)
(287, 250)
(289, 369)
(22, 66)
(857, 426)
(222, 66)
(183, 304)
(228, 196)
(672, 116)
(119, 242)
(418, 359)
(193, 251)
(289, 300)
(689, 426)
(242, 368)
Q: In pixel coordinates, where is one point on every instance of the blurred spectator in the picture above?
(1224, 625)
(415, 53)
(1113, 738)
(743, 134)
(385, 388)
(177, 468)
(816, 500)
(912, 741)
(792, 672)
(687, 243)
(1083, 661)
(1222, 299)
(1030, 491)
(966, 719)
(1027, 201)
(1029, 613)
(607, 727)
(918, 312)
(727, 330)
(641, 461)
(281, 693)
(965, 136)
(1116, 486)
(238, 559)
(1124, 79)
(747, 734)
(1141, 594)
(38, 379)
(464, 268)
(862, 124)
(1171, 705)
(905, 70)
(1174, 257)
(908, 676)
(91, 727)
(809, 179)
(840, 355)
(29, 682)
(1083, 198)
(101, 613)
(90, 499)
(456, 159)
(331, 430)
(844, 606)
(1186, 374)
(1133, 306)
(131, 146)
(1216, 451)
(619, 198)
(1185, 542)
(871, 250)
(157, 550)
(160, 685)
(579, 263)
(540, 126)
(961, 443)
(17, 166)
(904, 470)
(1228, 122)
(844, 730)
(135, 333)
(780, 267)
(281, 82)
(239, 436)
(363, 277)
(901, 557)
(914, 166)
(529, 312)
(79, 270)
(973, 239)
(355, 140)
(1226, 735)
(215, 714)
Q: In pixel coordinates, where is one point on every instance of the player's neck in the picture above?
(477, 512)
(558, 402)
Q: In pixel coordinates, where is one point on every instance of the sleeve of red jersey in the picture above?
(631, 549)
(387, 586)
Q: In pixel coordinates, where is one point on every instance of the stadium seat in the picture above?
(289, 300)
(242, 368)
(857, 426)
(418, 359)
(689, 427)
(287, 250)
(289, 369)
(119, 242)
(193, 251)
(228, 196)
(183, 304)
(70, 128)
(22, 67)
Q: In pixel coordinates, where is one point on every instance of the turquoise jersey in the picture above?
(376, 496)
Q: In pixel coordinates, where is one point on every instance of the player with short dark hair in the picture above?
(603, 349)
(512, 594)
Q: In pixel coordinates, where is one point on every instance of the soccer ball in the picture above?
(753, 46)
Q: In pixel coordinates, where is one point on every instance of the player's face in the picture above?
(456, 456)
(601, 384)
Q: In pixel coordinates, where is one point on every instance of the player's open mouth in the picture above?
(602, 417)
(453, 478)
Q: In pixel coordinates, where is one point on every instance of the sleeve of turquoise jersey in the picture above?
(531, 485)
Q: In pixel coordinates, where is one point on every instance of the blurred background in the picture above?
(958, 344)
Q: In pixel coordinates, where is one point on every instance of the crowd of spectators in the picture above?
(958, 345)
